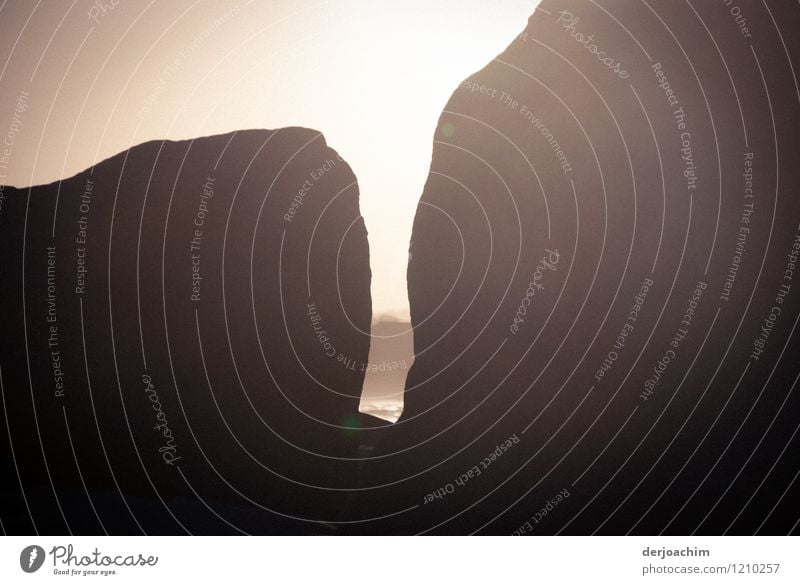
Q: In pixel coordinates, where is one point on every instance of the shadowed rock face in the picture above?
(210, 288)
(566, 194)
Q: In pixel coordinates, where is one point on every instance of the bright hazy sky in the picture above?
(372, 75)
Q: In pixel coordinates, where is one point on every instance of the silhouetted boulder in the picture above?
(590, 192)
(179, 312)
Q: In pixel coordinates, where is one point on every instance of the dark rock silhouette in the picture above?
(207, 287)
(567, 192)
